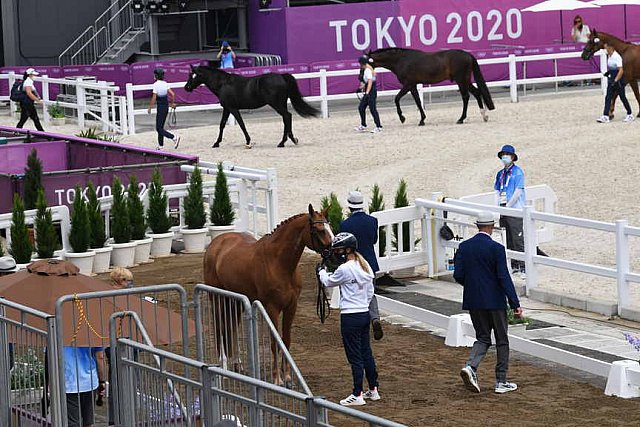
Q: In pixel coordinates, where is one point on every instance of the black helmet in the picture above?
(158, 73)
(344, 240)
(364, 59)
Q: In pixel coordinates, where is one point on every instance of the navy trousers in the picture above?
(161, 118)
(369, 101)
(357, 345)
(616, 87)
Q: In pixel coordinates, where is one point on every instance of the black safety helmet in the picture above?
(158, 73)
(343, 241)
(364, 59)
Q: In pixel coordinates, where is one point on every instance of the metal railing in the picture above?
(105, 33)
(513, 82)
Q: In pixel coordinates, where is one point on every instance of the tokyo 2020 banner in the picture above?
(314, 33)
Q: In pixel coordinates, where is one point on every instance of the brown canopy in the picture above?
(85, 321)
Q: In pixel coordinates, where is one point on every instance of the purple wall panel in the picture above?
(13, 157)
(118, 74)
(269, 30)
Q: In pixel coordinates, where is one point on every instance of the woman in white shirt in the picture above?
(30, 98)
(161, 92)
(355, 278)
(368, 86)
(580, 31)
(617, 83)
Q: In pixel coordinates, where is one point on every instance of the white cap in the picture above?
(355, 200)
(485, 218)
(32, 71)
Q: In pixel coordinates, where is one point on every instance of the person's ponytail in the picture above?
(363, 262)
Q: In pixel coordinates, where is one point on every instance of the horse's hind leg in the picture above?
(464, 92)
(238, 117)
(478, 96)
(286, 120)
(398, 97)
(223, 122)
(416, 98)
(636, 92)
(287, 321)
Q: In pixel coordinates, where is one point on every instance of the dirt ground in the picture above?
(419, 375)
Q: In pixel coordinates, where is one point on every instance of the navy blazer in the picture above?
(481, 268)
(365, 228)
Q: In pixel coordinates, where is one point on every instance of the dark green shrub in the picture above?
(80, 234)
(221, 212)
(32, 180)
(377, 205)
(136, 210)
(194, 214)
(96, 220)
(334, 211)
(21, 247)
(46, 236)
(120, 227)
(401, 201)
(157, 218)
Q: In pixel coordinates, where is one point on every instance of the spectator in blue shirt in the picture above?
(226, 55)
(509, 192)
(83, 375)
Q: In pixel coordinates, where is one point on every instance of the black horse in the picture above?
(413, 67)
(236, 92)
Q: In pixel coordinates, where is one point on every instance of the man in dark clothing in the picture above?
(365, 228)
(481, 268)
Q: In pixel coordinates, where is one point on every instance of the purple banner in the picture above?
(13, 158)
(116, 74)
(347, 30)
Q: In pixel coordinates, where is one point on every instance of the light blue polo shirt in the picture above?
(507, 180)
(80, 372)
(226, 60)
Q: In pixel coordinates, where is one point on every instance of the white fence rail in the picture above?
(323, 76)
(58, 213)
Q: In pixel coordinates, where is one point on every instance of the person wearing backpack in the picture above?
(28, 100)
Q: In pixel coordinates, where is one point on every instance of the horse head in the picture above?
(594, 44)
(195, 79)
(320, 236)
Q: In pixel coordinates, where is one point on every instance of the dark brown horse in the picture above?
(630, 59)
(413, 67)
(267, 269)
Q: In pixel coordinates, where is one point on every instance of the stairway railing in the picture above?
(107, 30)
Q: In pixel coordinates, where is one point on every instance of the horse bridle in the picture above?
(324, 251)
(323, 307)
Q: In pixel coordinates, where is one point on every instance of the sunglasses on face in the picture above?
(577, 22)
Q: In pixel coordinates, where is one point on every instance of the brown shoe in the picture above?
(377, 329)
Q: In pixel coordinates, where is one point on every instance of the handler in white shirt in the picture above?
(617, 83)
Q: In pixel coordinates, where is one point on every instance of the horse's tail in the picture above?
(299, 104)
(482, 85)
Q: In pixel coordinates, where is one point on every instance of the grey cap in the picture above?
(355, 200)
(485, 218)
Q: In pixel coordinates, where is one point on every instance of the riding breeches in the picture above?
(28, 111)
(161, 118)
(612, 88)
(369, 101)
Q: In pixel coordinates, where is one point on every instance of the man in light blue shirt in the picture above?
(83, 374)
(226, 55)
(509, 191)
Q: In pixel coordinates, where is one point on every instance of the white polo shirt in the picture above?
(161, 88)
(614, 62)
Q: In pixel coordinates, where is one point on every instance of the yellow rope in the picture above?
(83, 319)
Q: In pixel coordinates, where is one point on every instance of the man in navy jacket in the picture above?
(365, 228)
(481, 268)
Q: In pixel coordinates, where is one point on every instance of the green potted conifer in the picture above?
(46, 236)
(158, 219)
(377, 205)
(124, 250)
(335, 214)
(98, 234)
(401, 201)
(32, 179)
(80, 235)
(195, 216)
(221, 213)
(138, 223)
(21, 246)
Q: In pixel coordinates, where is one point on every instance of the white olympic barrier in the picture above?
(623, 377)
(58, 214)
(110, 105)
(323, 75)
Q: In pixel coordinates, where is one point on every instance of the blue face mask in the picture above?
(506, 159)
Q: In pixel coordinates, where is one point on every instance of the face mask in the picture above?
(129, 283)
(340, 258)
(506, 160)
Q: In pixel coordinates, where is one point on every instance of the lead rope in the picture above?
(82, 318)
(323, 306)
(173, 118)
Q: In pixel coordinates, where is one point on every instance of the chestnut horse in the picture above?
(413, 67)
(267, 269)
(630, 59)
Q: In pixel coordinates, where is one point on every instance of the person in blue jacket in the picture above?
(226, 56)
(481, 268)
(365, 228)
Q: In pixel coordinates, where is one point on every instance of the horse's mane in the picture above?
(284, 222)
(611, 36)
(393, 50)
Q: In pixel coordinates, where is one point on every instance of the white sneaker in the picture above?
(470, 379)
(353, 401)
(376, 130)
(176, 142)
(372, 394)
(360, 128)
(629, 118)
(505, 387)
(603, 119)
(158, 147)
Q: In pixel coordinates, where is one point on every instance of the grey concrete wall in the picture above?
(35, 32)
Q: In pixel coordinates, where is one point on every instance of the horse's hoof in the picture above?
(216, 145)
(459, 122)
(611, 116)
(295, 141)
(281, 145)
(288, 384)
(421, 123)
(248, 146)
(402, 119)
(485, 118)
